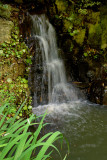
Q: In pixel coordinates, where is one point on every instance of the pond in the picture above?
(83, 124)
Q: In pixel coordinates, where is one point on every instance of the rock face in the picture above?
(9, 67)
(82, 34)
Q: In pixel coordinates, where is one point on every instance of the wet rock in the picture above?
(91, 75)
(36, 75)
(96, 91)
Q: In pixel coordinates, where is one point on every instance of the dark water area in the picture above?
(83, 124)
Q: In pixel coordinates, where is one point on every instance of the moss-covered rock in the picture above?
(95, 33)
(5, 11)
(5, 30)
(104, 32)
(66, 25)
(93, 17)
(79, 38)
(61, 5)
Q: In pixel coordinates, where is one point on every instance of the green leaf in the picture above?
(85, 54)
(1, 52)
(9, 80)
(4, 44)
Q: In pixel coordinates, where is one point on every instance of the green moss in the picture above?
(104, 32)
(79, 38)
(5, 11)
(95, 32)
(67, 25)
(93, 17)
(61, 5)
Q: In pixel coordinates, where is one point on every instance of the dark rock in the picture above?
(96, 92)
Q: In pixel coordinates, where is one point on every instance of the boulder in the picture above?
(5, 11)
(5, 30)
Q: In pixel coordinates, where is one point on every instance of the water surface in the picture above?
(83, 124)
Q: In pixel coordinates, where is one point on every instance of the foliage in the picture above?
(5, 10)
(83, 11)
(94, 54)
(18, 143)
(15, 48)
(87, 3)
(15, 92)
(74, 32)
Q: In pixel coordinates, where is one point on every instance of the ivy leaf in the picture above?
(1, 51)
(4, 44)
(9, 80)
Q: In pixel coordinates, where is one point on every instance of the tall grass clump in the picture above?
(17, 142)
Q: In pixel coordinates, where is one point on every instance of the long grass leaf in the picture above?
(9, 146)
(30, 149)
(12, 151)
(3, 107)
(36, 135)
(49, 141)
(22, 143)
(44, 137)
(47, 156)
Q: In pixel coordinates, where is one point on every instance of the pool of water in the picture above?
(83, 124)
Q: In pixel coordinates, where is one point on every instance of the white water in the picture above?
(58, 89)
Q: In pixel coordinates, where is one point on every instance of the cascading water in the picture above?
(53, 67)
(84, 124)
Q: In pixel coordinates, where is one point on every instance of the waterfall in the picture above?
(53, 72)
